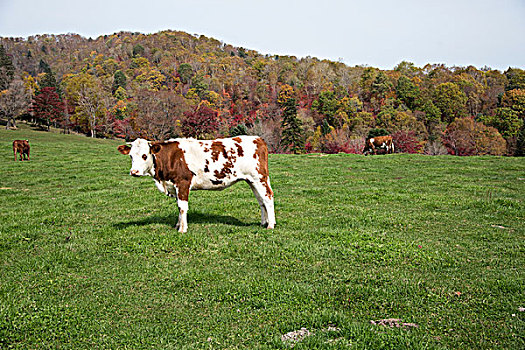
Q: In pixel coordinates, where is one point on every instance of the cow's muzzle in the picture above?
(134, 172)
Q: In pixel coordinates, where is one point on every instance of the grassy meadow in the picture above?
(89, 257)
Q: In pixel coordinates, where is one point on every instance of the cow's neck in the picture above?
(152, 171)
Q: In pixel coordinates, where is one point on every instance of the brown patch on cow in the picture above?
(240, 151)
(216, 182)
(206, 169)
(170, 165)
(22, 147)
(217, 148)
(237, 139)
(226, 170)
(261, 152)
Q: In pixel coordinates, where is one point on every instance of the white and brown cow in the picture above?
(383, 143)
(181, 165)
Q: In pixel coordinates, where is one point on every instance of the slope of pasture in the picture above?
(89, 255)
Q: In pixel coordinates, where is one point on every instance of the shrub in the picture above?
(339, 141)
(406, 142)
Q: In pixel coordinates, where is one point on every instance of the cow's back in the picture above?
(220, 163)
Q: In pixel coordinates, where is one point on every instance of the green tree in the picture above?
(515, 99)
(326, 104)
(451, 101)
(138, 50)
(407, 92)
(185, 72)
(292, 132)
(506, 120)
(432, 113)
(381, 86)
(407, 69)
(7, 70)
(49, 80)
(44, 67)
(515, 79)
(119, 80)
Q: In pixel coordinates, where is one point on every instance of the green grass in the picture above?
(89, 256)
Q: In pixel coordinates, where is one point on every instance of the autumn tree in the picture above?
(7, 70)
(157, 113)
(465, 137)
(47, 107)
(14, 101)
(86, 93)
(201, 122)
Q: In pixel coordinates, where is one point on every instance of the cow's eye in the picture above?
(144, 157)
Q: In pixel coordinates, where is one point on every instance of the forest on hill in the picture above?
(173, 84)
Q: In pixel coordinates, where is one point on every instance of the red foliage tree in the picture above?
(201, 122)
(406, 142)
(47, 107)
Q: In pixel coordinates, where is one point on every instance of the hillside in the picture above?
(172, 83)
(90, 256)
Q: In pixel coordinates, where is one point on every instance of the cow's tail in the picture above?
(393, 151)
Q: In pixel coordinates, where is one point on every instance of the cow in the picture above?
(379, 142)
(22, 147)
(180, 165)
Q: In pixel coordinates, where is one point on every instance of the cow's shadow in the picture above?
(193, 218)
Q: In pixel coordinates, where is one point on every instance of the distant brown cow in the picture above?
(373, 144)
(22, 147)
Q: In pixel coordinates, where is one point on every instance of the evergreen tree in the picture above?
(49, 80)
(119, 80)
(292, 133)
(7, 70)
(44, 67)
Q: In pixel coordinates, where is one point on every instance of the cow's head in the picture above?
(141, 152)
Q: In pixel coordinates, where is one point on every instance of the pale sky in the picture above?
(377, 33)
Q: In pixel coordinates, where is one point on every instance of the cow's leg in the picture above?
(183, 192)
(14, 151)
(264, 213)
(28, 155)
(265, 199)
(182, 224)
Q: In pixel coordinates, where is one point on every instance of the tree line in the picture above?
(173, 84)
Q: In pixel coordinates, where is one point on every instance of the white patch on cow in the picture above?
(372, 140)
(183, 216)
(141, 158)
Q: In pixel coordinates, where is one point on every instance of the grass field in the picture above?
(89, 257)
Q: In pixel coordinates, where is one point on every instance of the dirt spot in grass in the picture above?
(294, 337)
(393, 323)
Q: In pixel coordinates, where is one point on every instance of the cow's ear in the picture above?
(124, 149)
(155, 148)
